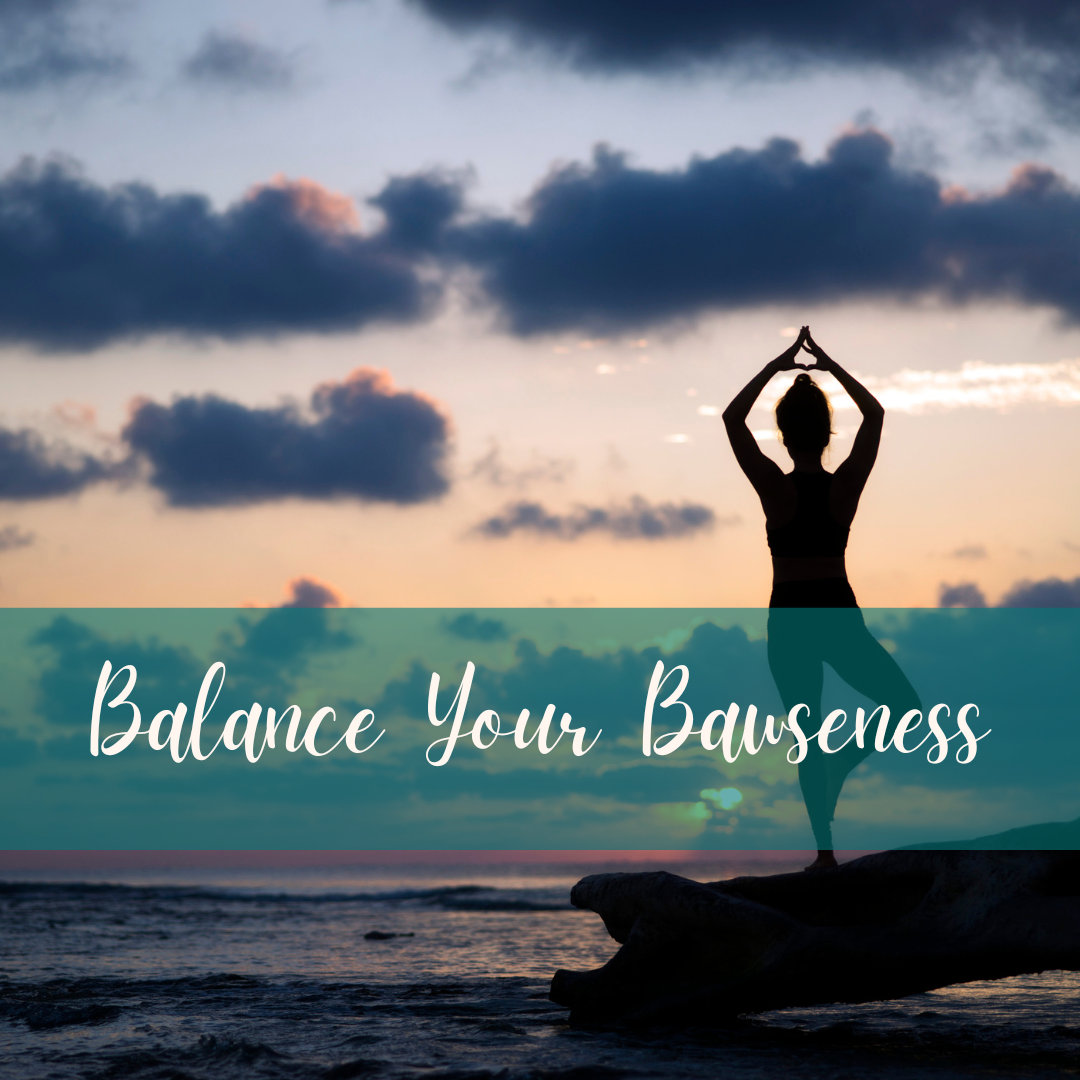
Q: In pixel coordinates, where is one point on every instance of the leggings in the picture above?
(812, 623)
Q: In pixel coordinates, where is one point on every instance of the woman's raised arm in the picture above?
(855, 469)
(760, 469)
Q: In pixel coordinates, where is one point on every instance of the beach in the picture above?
(423, 971)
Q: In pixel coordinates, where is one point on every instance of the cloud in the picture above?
(609, 248)
(605, 689)
(969, 551)
(234, 62)
(976, 385)
(966, 594)
(306, 592)
(83, 265)
(12, 537)
(1036, 42)
(470, 627)
(264, 656)
(418, 207)
(636, 520)
(42, 46)
(493, 468)
(365, 440)
(30, 468)
(1049, 593)
(361, 438)
(78, 655)
(602, 248)
(1008, 142)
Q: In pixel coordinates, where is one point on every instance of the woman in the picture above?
(813, 615)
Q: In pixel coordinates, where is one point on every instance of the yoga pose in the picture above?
(814, 618)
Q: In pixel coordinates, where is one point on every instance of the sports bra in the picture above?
(813, 530)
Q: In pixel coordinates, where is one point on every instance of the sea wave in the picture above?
(226, 1027)
(451, 897)
(421, 979)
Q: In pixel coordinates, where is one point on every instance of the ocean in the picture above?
(425, 973)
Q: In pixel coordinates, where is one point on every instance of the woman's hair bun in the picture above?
(804, 416)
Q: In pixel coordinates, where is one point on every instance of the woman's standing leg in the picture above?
(796, 667)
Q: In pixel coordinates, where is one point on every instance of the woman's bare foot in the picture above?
(825, 860)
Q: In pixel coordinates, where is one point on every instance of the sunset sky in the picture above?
(437, 303)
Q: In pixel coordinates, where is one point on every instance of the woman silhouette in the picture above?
(814, 618)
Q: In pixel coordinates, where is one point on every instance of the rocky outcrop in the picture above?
(884, 926)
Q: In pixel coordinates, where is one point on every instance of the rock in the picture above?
(884, 926)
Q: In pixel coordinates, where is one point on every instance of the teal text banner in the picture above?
(419, 729)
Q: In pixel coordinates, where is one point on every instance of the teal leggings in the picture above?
(801, 641)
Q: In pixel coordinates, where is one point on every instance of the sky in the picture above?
(437, 302)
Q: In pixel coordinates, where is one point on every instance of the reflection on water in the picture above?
(198, 974)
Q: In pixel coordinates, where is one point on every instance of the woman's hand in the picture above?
(736, 413)
(823, 362)
(786, 360)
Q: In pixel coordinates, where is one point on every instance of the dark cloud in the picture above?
(607, 247)
(966, 594)
(418, 207)
(264, 655)
(42, 46)
(363, 438)
(30, 468)
(78, 654)
(305, 592)
(277, 648)
(636, 520)
(12, 537)
(1049, 593)
(470, 627)
(1036, 42)
(82, 265)
(366, 440)
(604, 691)
(601, 248)
(234, 62)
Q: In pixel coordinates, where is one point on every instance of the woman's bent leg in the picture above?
(866, 666)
